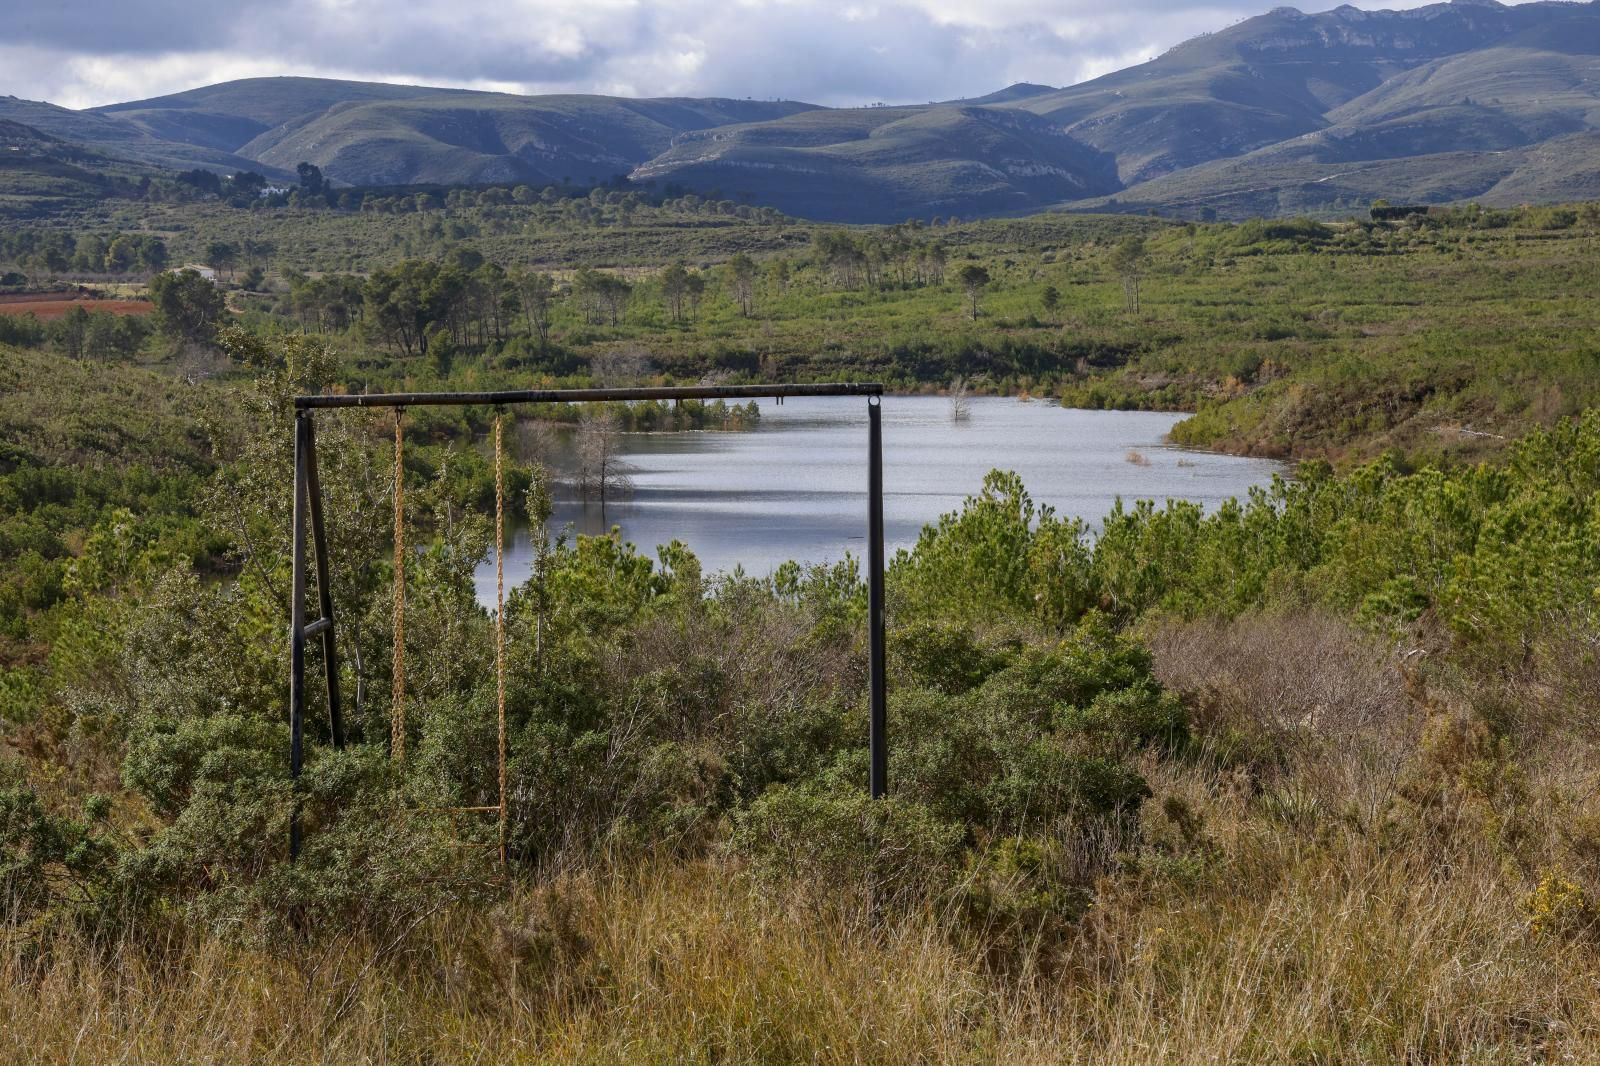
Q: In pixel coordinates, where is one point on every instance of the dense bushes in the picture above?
(1496, 553)
(646, 709)
(650, 710)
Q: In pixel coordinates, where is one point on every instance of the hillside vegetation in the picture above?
(1440, 335)
(1307, 777)
(1184, 791)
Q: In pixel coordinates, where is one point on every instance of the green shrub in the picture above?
(833, 840)
(1044, 738)
(941, 656)
(1019, 900)
(46, 856)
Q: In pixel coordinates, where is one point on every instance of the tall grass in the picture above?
(1297, 952)
(1354, 898)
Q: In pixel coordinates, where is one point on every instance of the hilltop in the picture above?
(1282, 113)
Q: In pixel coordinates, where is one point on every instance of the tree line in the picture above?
(430, 306)
(45, 252)
(584, 201)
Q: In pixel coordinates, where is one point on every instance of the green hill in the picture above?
(40, 174)
(118, 136)
(250, 106)
(888, 163)
(495, 137)
(374, 133)
(1273, 78)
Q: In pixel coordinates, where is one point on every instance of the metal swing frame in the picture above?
(308, 513)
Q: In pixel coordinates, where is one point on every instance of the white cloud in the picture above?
(102, 51)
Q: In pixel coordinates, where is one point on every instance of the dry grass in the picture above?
(1297, 673)
(1287, 953)
(1343, 910)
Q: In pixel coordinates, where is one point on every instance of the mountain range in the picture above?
(1286, 112)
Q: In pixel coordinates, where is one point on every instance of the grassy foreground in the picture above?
(1301, 922)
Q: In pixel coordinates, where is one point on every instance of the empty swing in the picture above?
(310, 551)
(397, 716)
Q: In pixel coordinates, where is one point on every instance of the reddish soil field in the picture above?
(53, 305)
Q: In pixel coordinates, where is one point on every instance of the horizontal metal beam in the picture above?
(313, 628)
(500, 399)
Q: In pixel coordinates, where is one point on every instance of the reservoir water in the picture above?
(795, 486)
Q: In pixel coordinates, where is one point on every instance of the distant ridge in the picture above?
(1283, 112)
(1022, 90)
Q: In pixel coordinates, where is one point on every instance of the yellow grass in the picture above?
(1281, 948)
(1328, 912)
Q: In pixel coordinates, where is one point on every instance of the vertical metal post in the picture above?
(319, 544)
(297, 624)
(877, 737)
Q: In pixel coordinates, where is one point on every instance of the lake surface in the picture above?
(796, 487)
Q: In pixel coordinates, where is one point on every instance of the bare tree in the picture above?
(622, 366)
(960, 402)
(602, 473)
(534, 441)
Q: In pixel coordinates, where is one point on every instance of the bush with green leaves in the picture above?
(1043, 740)
(1497, 553)
(47, 856)
(829, 839)
(648, 706)
(1020, 740)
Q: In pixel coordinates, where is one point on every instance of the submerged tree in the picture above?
(960, 403)
(602, 473)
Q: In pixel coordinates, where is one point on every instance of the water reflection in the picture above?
(795, 488)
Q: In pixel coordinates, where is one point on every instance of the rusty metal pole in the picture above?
(877, 736)
(297, 624)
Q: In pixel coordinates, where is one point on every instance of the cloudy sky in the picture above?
(85, 52)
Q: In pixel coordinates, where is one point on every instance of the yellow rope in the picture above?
(397, 717)
(500, 614)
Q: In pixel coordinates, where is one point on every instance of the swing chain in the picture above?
(500, 613)
(397, 717)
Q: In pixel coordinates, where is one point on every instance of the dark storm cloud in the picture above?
(119, 27)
